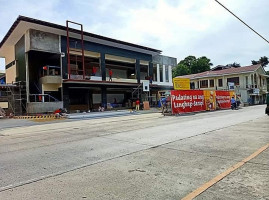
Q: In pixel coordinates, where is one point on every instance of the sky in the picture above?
(177, 27)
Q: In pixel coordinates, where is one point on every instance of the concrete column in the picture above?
(66, 99)
(61, 65)
(224, 81)
(27, 78)
(42, 92)
(137, 69)
(103, 66)
(151, 69)
(104, 97)
(158, 73)
(163, 73)
(170, 74)
(88, 99)
(64, 59)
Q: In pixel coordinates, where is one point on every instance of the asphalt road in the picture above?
(11, 123)
(138, 157)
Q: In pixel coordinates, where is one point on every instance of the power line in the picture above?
(243, 22)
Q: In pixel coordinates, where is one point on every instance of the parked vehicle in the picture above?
(267, 107)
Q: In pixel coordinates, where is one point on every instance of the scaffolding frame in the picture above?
(68, 47)
(16, 97)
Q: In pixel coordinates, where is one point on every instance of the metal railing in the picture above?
(251, 86)
(137, 90)
(42, 98)
(262, 87)
(51, 71)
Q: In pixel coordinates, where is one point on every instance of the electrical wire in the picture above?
(243, 22)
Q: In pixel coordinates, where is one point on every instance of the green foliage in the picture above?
(263, 61)
(254, 62)
(181, 70)
(201, 65)
(235, 64)
(192, 65)
(188, 61)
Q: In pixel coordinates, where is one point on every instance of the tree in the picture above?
(263, 61)
(181, 70)
(254, 62)
(192, 65)
(234, 64)
(201, 64)
(188, 61)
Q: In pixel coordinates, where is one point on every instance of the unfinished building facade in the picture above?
(63, 67)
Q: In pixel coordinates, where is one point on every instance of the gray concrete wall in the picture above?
(42, 41)
(43, 107)
(51, 80)
(164, 60)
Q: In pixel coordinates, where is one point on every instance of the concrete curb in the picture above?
(37, 117)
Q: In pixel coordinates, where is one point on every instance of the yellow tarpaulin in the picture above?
(181, 83)
(232, 94)
(210, 99)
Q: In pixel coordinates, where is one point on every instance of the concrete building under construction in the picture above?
(70, 68)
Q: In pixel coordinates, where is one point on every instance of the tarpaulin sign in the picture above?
(181, 83)
(187, 101)
(223, 99)
(210, 99)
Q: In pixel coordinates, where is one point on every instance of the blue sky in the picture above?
(179, 28)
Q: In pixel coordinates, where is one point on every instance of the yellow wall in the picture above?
(119, 58)
(11, 74)
(74, 51)
(51, 87)
(4, 104)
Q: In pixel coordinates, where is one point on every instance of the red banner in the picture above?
(223, 99)
(187, 101)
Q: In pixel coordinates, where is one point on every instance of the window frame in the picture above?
(203, 85)
(211, 81)
(220, 85)
(234, 80)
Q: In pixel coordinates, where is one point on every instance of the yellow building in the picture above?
(250, 82)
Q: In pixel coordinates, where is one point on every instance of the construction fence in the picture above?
(187, 101)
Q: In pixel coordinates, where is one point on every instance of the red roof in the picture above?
(232, 70)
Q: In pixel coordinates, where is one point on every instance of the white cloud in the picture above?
(179, 28)
(194, 27)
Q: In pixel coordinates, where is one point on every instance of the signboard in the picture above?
(223, 99)
(231, 85)
(232, 94)
(181, 83)
(184, 101)
(145, 85)
(210, 99)
(187, 101)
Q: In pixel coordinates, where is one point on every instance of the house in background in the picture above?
(67, 67)
(250, 82)
(11, 99)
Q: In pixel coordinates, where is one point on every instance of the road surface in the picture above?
(139, 157)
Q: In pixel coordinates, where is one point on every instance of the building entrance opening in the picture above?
(45, 80)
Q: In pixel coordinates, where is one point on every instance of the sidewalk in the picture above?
(111, 113)
(11, 123)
